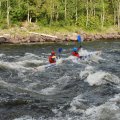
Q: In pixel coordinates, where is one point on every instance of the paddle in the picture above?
(59, 51)
(79, 39)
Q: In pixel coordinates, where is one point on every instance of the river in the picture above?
(85, 90)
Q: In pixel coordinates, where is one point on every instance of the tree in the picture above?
(61, 12)
(87, 13)
(65, 9)
(8, 13)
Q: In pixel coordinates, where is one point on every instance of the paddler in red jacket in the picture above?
(75, 52)
(52, 57)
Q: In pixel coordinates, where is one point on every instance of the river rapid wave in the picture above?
(72, 89)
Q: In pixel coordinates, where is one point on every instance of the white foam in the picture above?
(101, 77)
(13, 65)
(63, 81)
(48, 65)
(3, 83)
(32, 85)
(29, 56)
(98, 77)
(87, 56)
(7, 85)
(59, 61)
(83, 52)
(109, 111)
(2, 55)
(106, 111)
(88, 70)
(56, 87)
(25, 118)
(94, 56)
(40, 68)
(76, 105)
(116, 98)
(115, 50)
(49, 91)
(36, 62)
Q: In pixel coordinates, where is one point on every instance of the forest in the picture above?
(86, 14)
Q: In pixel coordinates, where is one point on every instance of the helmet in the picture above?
(52, 53)
(74, 49)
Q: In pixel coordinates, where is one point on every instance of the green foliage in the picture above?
(18, 15)
(93, 23)
(81, 21)
(42, 22)
(52, 13)
(109, 21)
(3, 24)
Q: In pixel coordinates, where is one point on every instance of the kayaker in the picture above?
(52, 57)
(75, 52)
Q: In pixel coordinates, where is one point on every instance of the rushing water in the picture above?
(84, 90)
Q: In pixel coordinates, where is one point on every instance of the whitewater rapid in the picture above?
(72, 89)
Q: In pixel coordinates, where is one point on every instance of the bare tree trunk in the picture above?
(65, 9)
(51, 14)
(91, 8)
(28, 16)
(94, 12)
(36, 20)
(101, 20)
(114, 3)
(119, 14)
(30, 19)
(8, 13)
(87, 14)
(0, 7)
(114, 17)
(76, 11)
(103, 14)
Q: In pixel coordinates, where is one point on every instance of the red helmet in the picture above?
(52, 53)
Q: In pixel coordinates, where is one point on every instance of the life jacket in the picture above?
(51, 59)
(75, 54)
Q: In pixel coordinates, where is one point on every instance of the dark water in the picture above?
(83, 90)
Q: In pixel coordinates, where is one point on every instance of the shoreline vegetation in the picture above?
(30, 21)
(36, 34)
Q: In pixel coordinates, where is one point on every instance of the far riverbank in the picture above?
(24, 36)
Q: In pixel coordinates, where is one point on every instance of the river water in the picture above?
(84, 90)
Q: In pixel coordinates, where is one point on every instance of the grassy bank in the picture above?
(53, 30)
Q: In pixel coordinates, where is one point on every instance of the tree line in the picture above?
(90, 14)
